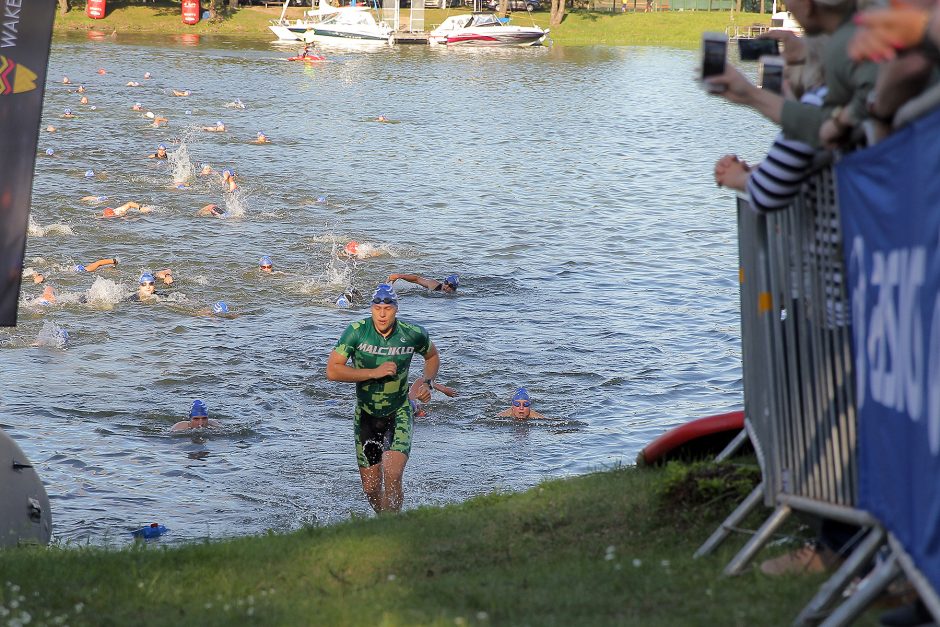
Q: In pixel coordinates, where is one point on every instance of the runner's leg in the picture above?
(393, 467)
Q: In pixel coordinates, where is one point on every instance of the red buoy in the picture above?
(191, 11)
(96, 9)
(724, 426)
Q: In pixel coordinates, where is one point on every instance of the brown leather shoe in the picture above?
(810, 558)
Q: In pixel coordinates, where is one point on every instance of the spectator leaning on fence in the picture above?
(848, 82)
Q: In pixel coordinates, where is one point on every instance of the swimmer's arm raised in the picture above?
(445, 390)
(337, 370)
(431, 284)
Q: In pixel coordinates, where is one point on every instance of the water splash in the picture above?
(105, 293)
(236, 203)
(52, 335)
(35, 229)
(181, 164)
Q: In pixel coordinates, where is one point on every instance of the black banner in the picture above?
(25, 35)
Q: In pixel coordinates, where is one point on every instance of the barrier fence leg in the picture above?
(732, 521)
(877, 581)
(829, 592)
(733, 446)
(757, 541)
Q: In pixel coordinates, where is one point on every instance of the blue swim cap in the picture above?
(321, 198)
(50, 151)
(63, 336)
(385, 292)
(79, 268)
(219, 123)
(198, 410)
(89, 174)
(188, 112)
(453, 280)
(146, 277)
(342, 302)
(521, 395)
(220, 307)
(68, 111)
(265, 261)
(137, 104)
(94, 108)
(101, 198)
(161, 147)
(182, 186)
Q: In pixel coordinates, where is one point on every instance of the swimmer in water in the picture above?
(80, 90)
(211, 211)
(206, 170)
(148, 75)
(101, 263)
(261, 139)
(38, 277)
(237, 104)
(158, 120)
(266, 265)
(83, 100)
(447, 285)
(198, 419)
(182, 92)
(360, 251)
(521, 407)
(228, 177)
(165, 275)
(93, 200)
(146, 289)
(382, 118)
(415, 391)
(47, 298)
(68, 113)
(120, 212)
(102, 71)
(66, 80)
(50, 129)
(160, 154)
(133, 84)
(137, 107)
(218, 128)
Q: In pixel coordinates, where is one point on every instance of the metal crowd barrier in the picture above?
(798, 381)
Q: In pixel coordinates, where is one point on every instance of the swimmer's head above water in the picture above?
(450, 283)
(521, 404)
(220, 308)
(147, 284)
(265, 264)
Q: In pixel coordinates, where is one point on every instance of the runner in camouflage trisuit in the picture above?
(381, 348)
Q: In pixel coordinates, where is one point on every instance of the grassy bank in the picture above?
(580, 28)
(602, 549)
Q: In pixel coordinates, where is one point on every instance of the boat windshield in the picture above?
(487, 19)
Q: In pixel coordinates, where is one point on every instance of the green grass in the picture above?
(677, 28)
(601, 549)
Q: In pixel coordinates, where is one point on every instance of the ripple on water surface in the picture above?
(569, 188)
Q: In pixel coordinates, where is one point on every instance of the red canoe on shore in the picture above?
(697, 438)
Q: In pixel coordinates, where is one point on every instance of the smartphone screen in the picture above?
(753, 49)
(771, 75)
(713, 56)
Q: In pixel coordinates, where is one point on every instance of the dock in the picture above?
(410, 37)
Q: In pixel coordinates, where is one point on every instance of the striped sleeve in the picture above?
(776, 181)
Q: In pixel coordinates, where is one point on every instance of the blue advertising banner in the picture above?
(889, 197)
(25, 35)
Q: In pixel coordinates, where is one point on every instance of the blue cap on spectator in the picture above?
(198, 410)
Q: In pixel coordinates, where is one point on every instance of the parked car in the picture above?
(515, 5)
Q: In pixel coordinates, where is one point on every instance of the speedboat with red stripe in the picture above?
(485, 29)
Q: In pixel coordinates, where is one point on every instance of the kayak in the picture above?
(696, 438)
(310, 58)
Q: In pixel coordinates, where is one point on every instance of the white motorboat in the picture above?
(287, 30)
(349, 24)
(485, 29)
(784, 20)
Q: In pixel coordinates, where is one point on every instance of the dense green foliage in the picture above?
(602, 549)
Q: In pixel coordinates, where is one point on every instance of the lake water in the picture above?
(570, 188)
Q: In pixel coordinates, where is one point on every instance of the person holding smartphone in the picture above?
(848, 83)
